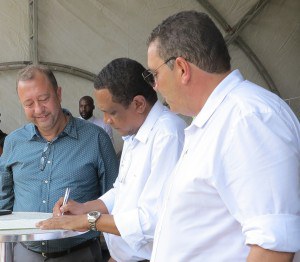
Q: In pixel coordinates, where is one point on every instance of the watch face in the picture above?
(94, 213)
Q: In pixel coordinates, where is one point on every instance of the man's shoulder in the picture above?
(99, 122)
(171, 119)
(170, 123)
(251, 98)
(82, 124)
(23, 132)
(87, 128)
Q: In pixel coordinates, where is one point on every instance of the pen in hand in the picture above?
(66, 197)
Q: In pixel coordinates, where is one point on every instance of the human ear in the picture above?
(58, 92)
(139, 103)
(183, 69)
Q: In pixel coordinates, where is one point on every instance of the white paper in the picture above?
(22, 220)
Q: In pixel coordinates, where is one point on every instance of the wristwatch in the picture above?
(92, 217)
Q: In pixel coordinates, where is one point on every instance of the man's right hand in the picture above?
(71, 208)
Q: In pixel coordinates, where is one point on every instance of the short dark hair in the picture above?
(89, 99)
(123, 78)
(30, 71)
(2, 138)
(193, 36)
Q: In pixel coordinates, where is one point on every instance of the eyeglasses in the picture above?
(149, 76)
(45, 156)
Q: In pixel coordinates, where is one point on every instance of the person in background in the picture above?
(86, 109)
(41, 159)
(234, 194)
(2, 138)
(153, 139)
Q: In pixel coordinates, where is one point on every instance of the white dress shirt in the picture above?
(147, 160)
(237, 181)
(99, 122)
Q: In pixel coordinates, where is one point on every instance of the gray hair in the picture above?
(193, 36)
(29, 72)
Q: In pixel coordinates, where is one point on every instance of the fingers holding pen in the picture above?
(57, 207)
(67, 206)
(70, 208)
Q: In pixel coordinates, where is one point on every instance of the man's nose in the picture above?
(39, 108)
(107, 119)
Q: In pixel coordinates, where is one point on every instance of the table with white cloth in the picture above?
(20, 226)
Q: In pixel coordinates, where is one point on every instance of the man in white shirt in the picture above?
(153, 140)
(86, 109)
(234, 194)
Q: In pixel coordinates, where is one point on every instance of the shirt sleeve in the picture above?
(143, 219)
(261, 182)
(108, 199)
(108, 163)
(6, 180)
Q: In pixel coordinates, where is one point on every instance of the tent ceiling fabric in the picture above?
(86, 35)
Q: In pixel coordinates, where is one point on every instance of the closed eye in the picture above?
(44, 99)
(28, 105)
(113, 113)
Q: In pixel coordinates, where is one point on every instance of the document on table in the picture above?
(22, 220)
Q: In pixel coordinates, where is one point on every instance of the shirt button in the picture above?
(48, 161)
(44, 201)
(46, 181)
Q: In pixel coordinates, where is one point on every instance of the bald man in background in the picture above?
(86, 109)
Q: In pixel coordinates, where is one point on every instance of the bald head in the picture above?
(86, 107)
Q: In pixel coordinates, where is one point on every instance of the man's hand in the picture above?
(76, 223)
(71, 208)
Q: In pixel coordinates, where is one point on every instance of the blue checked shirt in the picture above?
(80, 157)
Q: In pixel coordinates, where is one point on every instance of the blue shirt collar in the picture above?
(69, 130)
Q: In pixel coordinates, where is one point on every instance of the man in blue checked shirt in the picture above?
(43, 158)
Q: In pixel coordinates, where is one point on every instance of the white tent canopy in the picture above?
(77, 38)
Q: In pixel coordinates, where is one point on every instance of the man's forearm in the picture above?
(259, 254)
(95, 205)
(107, 224)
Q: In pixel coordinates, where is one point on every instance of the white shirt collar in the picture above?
(145, 129)
(217, 96)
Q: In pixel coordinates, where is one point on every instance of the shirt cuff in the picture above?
(278, 232)
(129, 227)
(108, 198)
